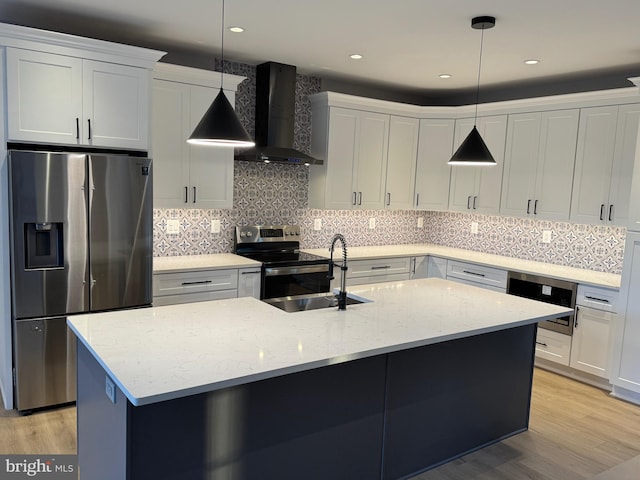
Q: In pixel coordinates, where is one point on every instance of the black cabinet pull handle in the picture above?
(194, 194)
(417, 199)
(528, 207)
(543, 344)
(388, 199)
(601, 211)
(469, 202)
(381, 267)
(250, 273)
(611, 213)
(202, 282)
(475, 197)
(575, 318)
(354, 202)
(603, 300)
(474, 273)
(89, 122)
(186, 194)
(77, 128)
(359, 198)
(535, 207)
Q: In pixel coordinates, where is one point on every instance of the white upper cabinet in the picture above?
(354, 147)
(63, 99)
(477, 189)
(187, 176)
(435, 147)
(604, 164)
(401, 162)
(539, 164)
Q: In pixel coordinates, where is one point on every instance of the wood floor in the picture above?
(576, 432)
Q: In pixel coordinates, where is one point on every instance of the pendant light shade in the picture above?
(220, 126)
(473, 151)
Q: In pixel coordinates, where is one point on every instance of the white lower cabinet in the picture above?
(477, 275)
(590, 343)
(196, 286)
(249, 282)
(379, 270)
(428, 266)
(553, 346)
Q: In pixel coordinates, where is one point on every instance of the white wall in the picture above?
(6, 375)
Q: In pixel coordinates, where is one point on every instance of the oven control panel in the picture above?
(267, 233)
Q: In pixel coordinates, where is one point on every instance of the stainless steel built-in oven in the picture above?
(548, 290)
(286, 271)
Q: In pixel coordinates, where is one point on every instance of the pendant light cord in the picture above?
(475, 118)
(222, 52)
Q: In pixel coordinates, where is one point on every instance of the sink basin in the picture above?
(311, 302)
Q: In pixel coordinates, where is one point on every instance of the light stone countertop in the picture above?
(190, 263)
(578, 275)
(160, 353)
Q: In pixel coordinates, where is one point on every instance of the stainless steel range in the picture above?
(286, 271)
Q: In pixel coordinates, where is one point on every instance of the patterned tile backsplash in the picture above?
(277, 194)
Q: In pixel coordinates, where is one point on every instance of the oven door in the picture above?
(289, 281)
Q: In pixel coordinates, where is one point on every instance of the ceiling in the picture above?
(406, 44)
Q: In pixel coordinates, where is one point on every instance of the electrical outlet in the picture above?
(317, 224)
(546, 236)
(420, 222)
(215, 226)
(474, 228)
(173, 227)
(372, 223)
(110, 389)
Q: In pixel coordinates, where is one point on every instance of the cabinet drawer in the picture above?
(490, 276)
(476, 284)
(553, 346)
(382, 266)
(193, 297)
(599, 298)
(194, 282)
(398, 277)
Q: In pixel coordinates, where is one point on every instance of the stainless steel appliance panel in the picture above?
(121, 236)
(45, 362)
(48, 233)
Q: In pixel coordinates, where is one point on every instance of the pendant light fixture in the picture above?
(473, 151)
(220, 126)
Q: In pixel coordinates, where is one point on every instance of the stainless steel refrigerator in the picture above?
(81, 240)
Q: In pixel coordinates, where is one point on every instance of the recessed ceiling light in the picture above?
(355, 56)
(445, 75)
(236, 29)
(532, 61)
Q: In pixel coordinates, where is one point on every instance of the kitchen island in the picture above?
(238, 389)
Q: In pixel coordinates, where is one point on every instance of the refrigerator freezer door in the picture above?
(120, 232)
(48, 233)
(45, 360)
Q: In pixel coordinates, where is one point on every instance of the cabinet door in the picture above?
(463, 177)
(344, 128)
(249, 282)
(626, 353)
(590, 343)
(594, 159)
(44, 97)
(401, 162)
(623, 162)
(370, 167)
(435, 147)
(521, 158)
(115, 105)
(489, 178)
(211, 169)
(169, 149)
(556, 161)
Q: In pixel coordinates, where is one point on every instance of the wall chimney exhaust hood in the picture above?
(275, 112)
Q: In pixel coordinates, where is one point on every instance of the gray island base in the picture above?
(386, 416)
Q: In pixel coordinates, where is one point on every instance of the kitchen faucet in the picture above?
(342, 294)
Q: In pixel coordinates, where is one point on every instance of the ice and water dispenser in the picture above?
(43, 245)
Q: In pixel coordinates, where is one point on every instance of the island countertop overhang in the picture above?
(161, 353)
